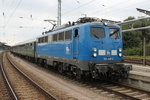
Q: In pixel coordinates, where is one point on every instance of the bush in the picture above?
(133, 52)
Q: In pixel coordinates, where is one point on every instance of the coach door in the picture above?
(75, 43)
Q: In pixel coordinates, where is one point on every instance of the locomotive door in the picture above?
(75, 43)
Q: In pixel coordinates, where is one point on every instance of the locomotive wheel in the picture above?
(78, 74)
(45, 65)
(60, 68)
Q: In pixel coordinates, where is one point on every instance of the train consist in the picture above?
(87, 48)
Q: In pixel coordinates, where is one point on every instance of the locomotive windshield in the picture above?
(114, 33)
(97, 32)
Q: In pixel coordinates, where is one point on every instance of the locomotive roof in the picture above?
(80, 25)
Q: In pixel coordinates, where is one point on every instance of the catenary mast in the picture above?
(59, 13)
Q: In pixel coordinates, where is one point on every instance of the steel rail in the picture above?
(105, 88)
(133, 88)
(50, 96)
(7, 81)
(118, 93)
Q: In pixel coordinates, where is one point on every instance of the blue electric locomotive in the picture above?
(85, 49)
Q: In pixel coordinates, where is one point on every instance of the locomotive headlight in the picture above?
(94, 49)
(120, 54)
(94, 54)
(120, 49)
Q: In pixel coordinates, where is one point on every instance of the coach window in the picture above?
(61, 36)
(39, 40)
(68, 35)
(97, 32)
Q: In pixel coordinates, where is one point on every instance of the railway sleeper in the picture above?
(140, 96)
(132, 93)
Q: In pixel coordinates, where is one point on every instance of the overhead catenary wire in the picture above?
(107, 7)
(117, 10)
(85, 4)
(6, 13)
(106, 11)
(13, 12)
(11, 5)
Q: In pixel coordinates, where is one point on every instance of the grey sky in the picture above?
(16, 24)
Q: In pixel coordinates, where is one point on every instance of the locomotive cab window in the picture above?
(114, 33)
(97, 32)
(76, 33)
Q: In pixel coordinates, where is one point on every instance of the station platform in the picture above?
(141, 68)
(139, 76)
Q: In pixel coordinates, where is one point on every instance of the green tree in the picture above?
(133, 41)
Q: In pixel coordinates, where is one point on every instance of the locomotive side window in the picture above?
(114, 33)
(55, 37)
(39, 40)
(46, 39)
(43, 39)
(50, 38)
(97, 32)
(68, 35)
(61, 36)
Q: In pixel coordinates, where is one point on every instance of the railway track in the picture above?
(136, 60)
(111, 89)
(126, 92)
(21, 85)
(115, 90)
(5, 93)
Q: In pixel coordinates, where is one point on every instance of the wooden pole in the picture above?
(144, 49)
